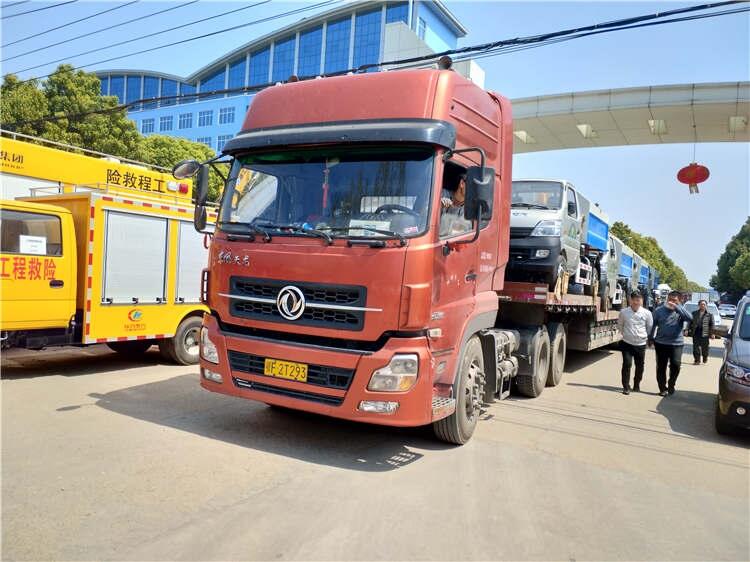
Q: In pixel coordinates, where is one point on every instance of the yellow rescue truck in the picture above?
(97, 250)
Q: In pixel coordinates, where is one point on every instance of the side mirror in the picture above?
(480, 184)
(186, 169)
(201, 196)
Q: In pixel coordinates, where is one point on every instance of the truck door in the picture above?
(37, 269)
(571, 235)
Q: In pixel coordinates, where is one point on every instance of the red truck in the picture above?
(357, 269)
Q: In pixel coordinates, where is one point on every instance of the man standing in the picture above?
(666, 335)
(701, 328)
(635, 323)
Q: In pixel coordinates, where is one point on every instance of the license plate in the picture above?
(285, 370)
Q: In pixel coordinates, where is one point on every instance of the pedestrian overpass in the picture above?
(710, 112)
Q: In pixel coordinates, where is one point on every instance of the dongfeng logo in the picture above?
(135, 315)
(290, 302)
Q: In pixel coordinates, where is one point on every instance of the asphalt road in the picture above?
(104, 458)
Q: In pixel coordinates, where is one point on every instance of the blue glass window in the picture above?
(337, 45)
(147, 126)
(213, 82)
(367, 39)
(310, 45)
(204, 140)
(117, 87)
(187, 89)
(168, 88)
(259, 62)
(283, 60)
(133, 91)
(221, 141)
(165, 123)
(421, 28)
(226, 115)
(205, 118)
(104, 80)
(397, 12)
(186, 121)
(150, 90)
(237, 73)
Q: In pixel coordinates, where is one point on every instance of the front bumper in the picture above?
(415, 406)
(522, 251)
(731, 396)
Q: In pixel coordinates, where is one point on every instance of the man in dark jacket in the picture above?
(666, 336)
(701, 328)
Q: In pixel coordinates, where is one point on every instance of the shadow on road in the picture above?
(713, 351)
(577, 360)
(180, 403)
(72, 362)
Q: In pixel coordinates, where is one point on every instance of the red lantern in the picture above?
(692, 175)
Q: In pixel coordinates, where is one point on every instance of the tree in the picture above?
(164, 151)
(648, 248)
(733, 267)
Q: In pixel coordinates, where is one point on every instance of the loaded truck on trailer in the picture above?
(97, 251)
(358, 266)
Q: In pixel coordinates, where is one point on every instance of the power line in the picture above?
(35, 35)
(484, 50)
(5, 6)
(90, 33)
(38, 9)
(204, 36)
(165, 30)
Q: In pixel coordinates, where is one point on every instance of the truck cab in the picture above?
(37, 271)
(546, 230)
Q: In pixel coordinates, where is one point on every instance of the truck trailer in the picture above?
(97, 251)
(357, 269)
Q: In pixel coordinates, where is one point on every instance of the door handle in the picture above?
(56, 283)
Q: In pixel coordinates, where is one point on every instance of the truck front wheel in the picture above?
(130, 348)
(469, 389)
(183, 348)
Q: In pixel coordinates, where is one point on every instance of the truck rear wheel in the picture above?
(130, 348)
(531, 380)
(558, 350)
(183, 348)
(468, 390)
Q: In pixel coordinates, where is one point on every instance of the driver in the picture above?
(452, 219)
(455, 199)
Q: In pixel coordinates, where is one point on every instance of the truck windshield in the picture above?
(537, 194)
(345, 191)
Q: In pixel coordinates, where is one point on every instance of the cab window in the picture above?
(30, 233)
(452, 221)
(572, 204)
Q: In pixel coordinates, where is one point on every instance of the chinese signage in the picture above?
(27, 269)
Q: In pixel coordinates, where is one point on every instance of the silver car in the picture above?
(727, 310)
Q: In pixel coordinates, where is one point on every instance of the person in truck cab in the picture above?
(452, 220)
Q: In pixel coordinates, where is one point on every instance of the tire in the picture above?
(560, 268)
(532, 380)
(130, 348)
(183, 347)
(558, 351)
(722, 427)
(468, 390)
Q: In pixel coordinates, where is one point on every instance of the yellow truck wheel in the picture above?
(130, 348)
(183, 348)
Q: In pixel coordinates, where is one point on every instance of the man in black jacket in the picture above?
(701, 328)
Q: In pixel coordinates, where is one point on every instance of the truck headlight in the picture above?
(208, 349)
(737, 374)
(398, 376)
(547, 228)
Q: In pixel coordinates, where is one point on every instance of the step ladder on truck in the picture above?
(95, 250)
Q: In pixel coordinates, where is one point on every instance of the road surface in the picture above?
(104, 458)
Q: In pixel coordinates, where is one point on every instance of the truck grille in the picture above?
(341, 295)
(319, 375)
(310, 396)
(520, 232)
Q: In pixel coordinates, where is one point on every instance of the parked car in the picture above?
(719, 328)
(727, 310)
(733, 400)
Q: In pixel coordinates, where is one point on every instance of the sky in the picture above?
(634, 184)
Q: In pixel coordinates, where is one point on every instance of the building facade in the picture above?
(358, 33)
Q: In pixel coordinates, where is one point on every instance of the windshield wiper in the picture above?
(300, 230)
(529, 206)
(253, 230)
(392, 234)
